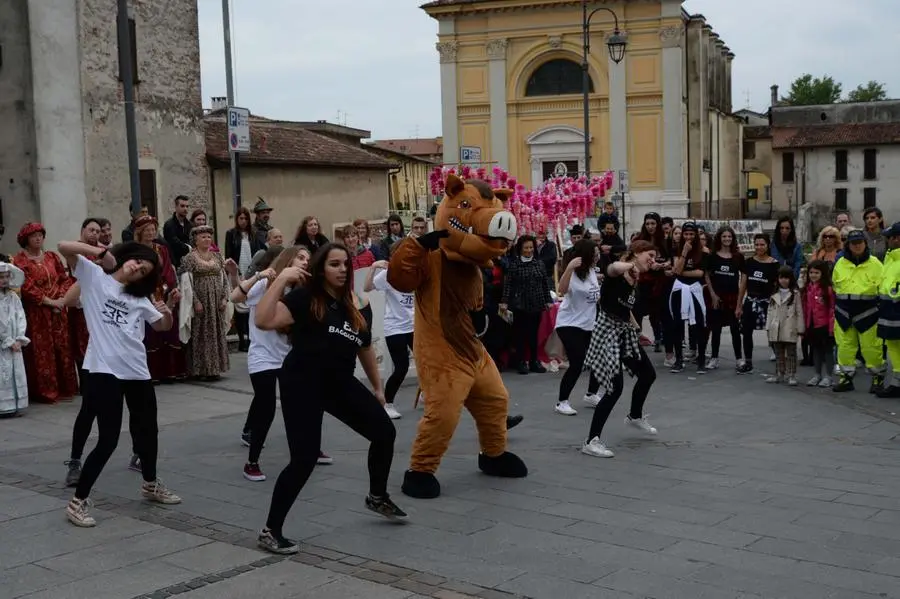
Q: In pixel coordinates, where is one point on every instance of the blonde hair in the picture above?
(829, 230)
(286, 257)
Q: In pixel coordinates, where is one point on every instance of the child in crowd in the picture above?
(785, 325)
(819, 321)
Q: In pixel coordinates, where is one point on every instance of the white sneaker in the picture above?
(641, 424)
(712, 363)
(597, 449)
(669, 362)
(826, 382)
(77, 513)
(792, 381)
(392, 412)
(773, 379)
(591, 400)
(813, 381)
(565, 409)
(772, 357)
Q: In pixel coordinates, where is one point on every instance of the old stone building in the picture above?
(62, 144)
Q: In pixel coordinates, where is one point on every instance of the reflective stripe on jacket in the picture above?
(856, 289)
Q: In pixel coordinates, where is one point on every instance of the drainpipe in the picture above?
(392, 202)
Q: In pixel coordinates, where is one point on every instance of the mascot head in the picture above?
(472, 213)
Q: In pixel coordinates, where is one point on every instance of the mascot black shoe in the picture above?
(420, 485)
(505, 465)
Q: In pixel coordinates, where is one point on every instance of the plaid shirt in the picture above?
(526, 286)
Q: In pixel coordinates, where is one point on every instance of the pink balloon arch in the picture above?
(559, 203)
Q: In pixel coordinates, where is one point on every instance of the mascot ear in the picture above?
(454, 185)
(503, 194)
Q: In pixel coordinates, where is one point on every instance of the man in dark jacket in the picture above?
(546, 253)
(177, 231)
(611, 244)
(261, 224)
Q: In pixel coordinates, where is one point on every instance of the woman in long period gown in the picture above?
(49, 362)
(13, 380)
(208, 353)
(165, 354)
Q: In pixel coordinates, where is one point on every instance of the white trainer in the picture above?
(565, 409)
(712, 363)
(77, 513)
(775, 379)
(641, 424)
(826, 382)
(591, 400)
(792, 381)
(597, 449)
(813, 381)
(392, 412)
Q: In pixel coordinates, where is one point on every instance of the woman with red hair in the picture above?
(49, 361)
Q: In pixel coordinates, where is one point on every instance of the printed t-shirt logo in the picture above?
(347, 332)
(406, 299)
(115, 313)
(593, 294)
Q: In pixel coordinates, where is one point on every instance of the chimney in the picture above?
(219, 103)
(774, 100)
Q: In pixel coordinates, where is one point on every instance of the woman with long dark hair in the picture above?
(758, 281)
(723, 280)
(309, 234)
(653, 283)
(580, 291)
(686, 304)
(785, 247)
(241, 244)
(616, 345)
(330, 328)
(116, 308)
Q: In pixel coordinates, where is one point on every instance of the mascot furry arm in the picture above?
(443, 269)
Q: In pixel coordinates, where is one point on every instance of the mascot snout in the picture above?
(502, 225)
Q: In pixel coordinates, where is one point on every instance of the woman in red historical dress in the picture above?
(165, 354)
(49, 362)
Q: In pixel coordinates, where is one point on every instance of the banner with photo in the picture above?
(744, 230)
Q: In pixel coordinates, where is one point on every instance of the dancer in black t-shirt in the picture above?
(758, 281)
(330, 328)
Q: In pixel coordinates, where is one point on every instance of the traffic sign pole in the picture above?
(229, 82)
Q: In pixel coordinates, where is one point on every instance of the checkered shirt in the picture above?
(612, 341)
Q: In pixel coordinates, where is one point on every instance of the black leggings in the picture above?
(644, 374)
(104, 396)
(717, 318)
(84, 421)
(748, 325)
(262, 410)
(676, 330)
(242, 325)
(525, 330)
(575, 341)
(349, 401)
(398, 347)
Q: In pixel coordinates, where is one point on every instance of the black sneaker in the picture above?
(677, 367)
(877, 384)
(383, 506)
(537, 367)
(844, 384)
(74, 473)
(275, 543)
(745, 368)
(523, 368)
(135, 463)
(701, 366)
(245, 438)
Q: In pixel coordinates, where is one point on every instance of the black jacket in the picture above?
(178, 238)
(233, 244)
(526, 286)
(547, 255)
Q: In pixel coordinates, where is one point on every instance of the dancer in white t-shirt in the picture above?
(399, 311)
(116, 308)
(575, 320)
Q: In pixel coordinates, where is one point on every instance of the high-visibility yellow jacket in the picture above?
(889, 300)
(857, 283)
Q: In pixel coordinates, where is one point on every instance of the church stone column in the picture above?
(671, 39)
(496, 52)
(449, 111)
(618, 119)
(59, 131)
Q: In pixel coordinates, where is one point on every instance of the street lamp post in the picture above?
(616, 44)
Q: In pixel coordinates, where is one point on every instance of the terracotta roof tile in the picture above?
(285, 144)
(845, 134)
(413, 147)
(757, 132)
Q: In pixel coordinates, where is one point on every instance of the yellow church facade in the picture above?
(511, 90)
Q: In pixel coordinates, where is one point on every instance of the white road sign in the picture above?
(623, 181)
(470, 154)
(238, 129)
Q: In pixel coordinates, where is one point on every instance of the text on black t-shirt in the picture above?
(618, 297)
(761, 277)
(329, 345)
(691, 264)
(724, 273)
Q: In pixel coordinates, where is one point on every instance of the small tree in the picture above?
(806, 90)
(870, 92)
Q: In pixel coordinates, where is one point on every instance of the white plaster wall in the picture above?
(821, 184)
(60, 180)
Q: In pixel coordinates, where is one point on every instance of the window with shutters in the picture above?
(870, 170)
(557, 77)
(840, 198)
(787, 167)
(840, 165)
(869, 197)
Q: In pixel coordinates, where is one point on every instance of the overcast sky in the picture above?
(373, 63)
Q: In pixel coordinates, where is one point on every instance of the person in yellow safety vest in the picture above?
(856, 277)
(889, 308)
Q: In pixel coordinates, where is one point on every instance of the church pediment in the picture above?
(559, 134)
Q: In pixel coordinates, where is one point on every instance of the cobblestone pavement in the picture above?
(749, 490)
